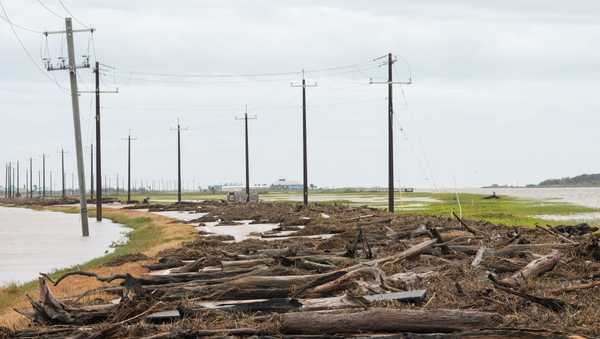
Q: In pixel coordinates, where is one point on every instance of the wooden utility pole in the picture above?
(178, 162)
(44, 175)
(30, 178)
(390, 82)
(18, 191)
(97, 92)
(92, 171)
(72, 68)
(8, 180)
(304, 148)
(129, 139)
(178, 129)
(246, 118)
(129, 168)
(62, 169)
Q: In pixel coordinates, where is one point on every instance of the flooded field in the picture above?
(42, 241)
(583, 196)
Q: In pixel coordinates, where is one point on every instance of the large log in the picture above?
(50, 311)
(383, 320)
(534, 269)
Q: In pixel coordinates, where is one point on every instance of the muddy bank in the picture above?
(376, 274)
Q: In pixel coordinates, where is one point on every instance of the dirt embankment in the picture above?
(374, 273)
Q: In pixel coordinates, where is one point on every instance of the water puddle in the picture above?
(239, 232)
(181, 215)
(592, 216)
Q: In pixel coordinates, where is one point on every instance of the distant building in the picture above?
(239, 188)
(286, 185)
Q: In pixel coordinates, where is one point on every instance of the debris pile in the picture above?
(373, 275)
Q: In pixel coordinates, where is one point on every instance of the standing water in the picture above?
(42, 241)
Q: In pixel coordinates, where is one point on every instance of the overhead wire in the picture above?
(50, 10)
(416, 147)
(10, 22)
(240, 75)
(71, 15)
(27, 51)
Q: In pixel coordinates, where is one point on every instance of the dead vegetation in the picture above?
(412, 276)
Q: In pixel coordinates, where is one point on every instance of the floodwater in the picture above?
(42, 241)
(239, 232)
(583, 196)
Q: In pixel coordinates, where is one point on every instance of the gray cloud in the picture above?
(503, 90)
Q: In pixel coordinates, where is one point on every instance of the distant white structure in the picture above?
(240, 188)
(286, 185)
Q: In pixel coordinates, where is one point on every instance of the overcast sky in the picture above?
(503, 92)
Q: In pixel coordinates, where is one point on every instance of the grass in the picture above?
(506, 210)
(149, 234)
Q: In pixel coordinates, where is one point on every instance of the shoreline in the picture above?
(107, 248)
(151, 233)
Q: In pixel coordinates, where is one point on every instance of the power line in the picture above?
(349, 69)
(50, 10)
(71, 14)
(27, 51)
(19, 26)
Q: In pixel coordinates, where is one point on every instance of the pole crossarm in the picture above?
(305, 85)
(409, 82)
(103, 92)
(91, 30)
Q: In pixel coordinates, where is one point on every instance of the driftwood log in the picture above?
(532, 270)
(383, 320)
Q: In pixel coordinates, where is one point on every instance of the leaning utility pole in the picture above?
(246, 118)
(390, 82)
(304, 151)
(72, 67)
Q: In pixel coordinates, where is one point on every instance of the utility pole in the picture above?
(44, 175)
(129, 138)
(92, 171)
(62, 170)
(8, 182)
(31, 178)
(245, 118)
(18, 192)
(178, 162)
(304, 151)
(26, 183)
(8, 179)
(390, 62)
(51, 187)
(178, 129)
(72, 67)
(97, 92)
